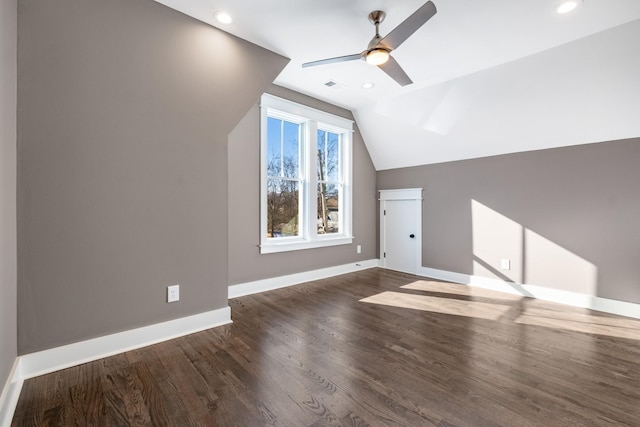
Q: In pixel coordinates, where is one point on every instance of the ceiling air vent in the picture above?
(334, 84)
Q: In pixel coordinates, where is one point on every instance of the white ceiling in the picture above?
(462, 39)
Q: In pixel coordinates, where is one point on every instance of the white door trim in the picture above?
(401, 194)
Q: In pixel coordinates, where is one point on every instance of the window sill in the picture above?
(270, 248)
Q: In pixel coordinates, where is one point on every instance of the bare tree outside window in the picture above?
(283, 178)
(282, 203)
(328, 167)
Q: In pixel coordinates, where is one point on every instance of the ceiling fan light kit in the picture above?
(378, 52)
(377, 56)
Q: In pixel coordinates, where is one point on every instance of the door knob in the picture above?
(412, 235)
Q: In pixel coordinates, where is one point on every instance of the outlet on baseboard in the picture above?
(173, 293)
(505, 264)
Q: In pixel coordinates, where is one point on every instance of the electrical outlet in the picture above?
(359, 249)
(505, 264)
(173, 293)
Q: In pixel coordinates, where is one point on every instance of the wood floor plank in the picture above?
(87, 400)
(372, 348)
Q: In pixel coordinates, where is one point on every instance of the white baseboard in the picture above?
(54, 359)
(51, 360)
(10, 394)
(258, 286)
(575, 299)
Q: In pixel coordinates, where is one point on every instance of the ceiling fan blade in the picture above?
(395, 71)
(409, 26)
(336, 59)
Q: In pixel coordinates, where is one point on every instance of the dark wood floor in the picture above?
(370, 348)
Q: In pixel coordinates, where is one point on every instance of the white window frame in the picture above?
(311, 120)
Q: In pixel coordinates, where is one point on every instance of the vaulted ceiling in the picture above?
(490, 77)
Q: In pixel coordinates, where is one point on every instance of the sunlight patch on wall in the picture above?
(533, 259)
(549, 264)
(456, 307)
(496, 237)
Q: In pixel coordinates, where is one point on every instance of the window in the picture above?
(306, 177)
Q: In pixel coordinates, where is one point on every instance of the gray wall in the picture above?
(245, 261)
(567, 218)
(8, 277)
(124, 107)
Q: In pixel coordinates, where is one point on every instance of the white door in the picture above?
(401, 229)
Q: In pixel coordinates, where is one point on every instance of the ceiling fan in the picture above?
(379, 49)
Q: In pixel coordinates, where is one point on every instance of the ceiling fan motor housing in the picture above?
(377, 16)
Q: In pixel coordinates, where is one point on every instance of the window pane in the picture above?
(328, 156)
(333, 153)
(282, 208)
(328, 208)
(283, 148)
(274, 147)
(291, 149)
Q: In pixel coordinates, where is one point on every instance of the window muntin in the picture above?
(306, 174)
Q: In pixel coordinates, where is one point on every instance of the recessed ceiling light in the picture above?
(567, 6)
(223, 17)
(368, 85)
